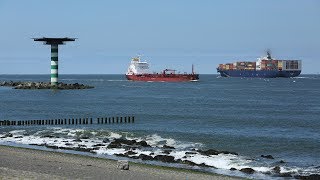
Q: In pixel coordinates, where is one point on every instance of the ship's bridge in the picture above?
(138, 67)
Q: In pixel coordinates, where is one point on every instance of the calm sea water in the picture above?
(252, 117)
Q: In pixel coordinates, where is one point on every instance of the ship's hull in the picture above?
(259, 73)
(163, 77)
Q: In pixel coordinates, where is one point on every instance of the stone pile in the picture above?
(43, 85)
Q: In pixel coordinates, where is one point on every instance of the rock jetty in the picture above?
(43, 85)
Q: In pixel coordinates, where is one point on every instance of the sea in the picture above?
(250, 116)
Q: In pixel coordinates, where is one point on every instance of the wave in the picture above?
(100, 141)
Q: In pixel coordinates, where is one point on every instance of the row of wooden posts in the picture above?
(70, 121)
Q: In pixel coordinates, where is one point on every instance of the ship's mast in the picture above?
(269, 54)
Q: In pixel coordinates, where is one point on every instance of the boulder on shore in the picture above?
(247, 170)
(215, 152)
(267, 156)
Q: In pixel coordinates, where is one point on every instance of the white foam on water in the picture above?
(63, 131)
(178, 154)
(15, 132)
(221, 161)
(114, 135)
(110, 151)
(155, 140)
(171, 142)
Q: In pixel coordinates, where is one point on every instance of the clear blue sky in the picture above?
(168, 33)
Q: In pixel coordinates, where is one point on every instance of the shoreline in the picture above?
(18, 162)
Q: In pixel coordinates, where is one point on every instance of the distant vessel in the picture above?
(139, 71)
(265, 67)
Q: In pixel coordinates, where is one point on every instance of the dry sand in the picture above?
(21, 163)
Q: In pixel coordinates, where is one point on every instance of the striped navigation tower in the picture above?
(54, 42)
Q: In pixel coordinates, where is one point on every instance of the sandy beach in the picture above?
(37, 164)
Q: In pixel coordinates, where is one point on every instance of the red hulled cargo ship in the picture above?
(139, 71)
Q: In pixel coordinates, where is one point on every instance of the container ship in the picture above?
(265, 67)
(139, 71)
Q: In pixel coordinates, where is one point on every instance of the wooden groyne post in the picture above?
(70, 121)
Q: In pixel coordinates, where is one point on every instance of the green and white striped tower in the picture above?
(54, 64)
(54, 42)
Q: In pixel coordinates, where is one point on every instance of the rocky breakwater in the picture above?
(43, 85)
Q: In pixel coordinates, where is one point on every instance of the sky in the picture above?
(168, 34)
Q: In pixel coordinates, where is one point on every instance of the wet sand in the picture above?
(37, 164)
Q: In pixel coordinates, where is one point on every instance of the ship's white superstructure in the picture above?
(285, 65)
(138, 67)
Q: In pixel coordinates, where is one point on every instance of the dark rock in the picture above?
(310, 177)
(190, 153)
(129, 148)
(18, 137)
(247, 170)
(96, 148)
(215, 152)
(96, 145)
(276, 169)
(267, 156)
(43, 144)
(114, 145)
(77, 140)
(83, 149)
(164, 158)
(143, 144)
(145, 157)
(189, 163)
(130, 153)
(228, 152)
(151, 153)
(267, 173)
(68, 144)
(81, 145)
(285, 175)
(124, 141)
(204, 165)
(84, 137)
(120, 155)
(8, 135)
(105, 140)
(209, 152)
(167, 147)
(233, 169)
(282, 161)
(166, 151)
(51, 147)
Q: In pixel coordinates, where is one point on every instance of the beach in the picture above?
(37, 164)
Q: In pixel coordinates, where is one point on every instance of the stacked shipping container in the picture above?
(264, 65)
